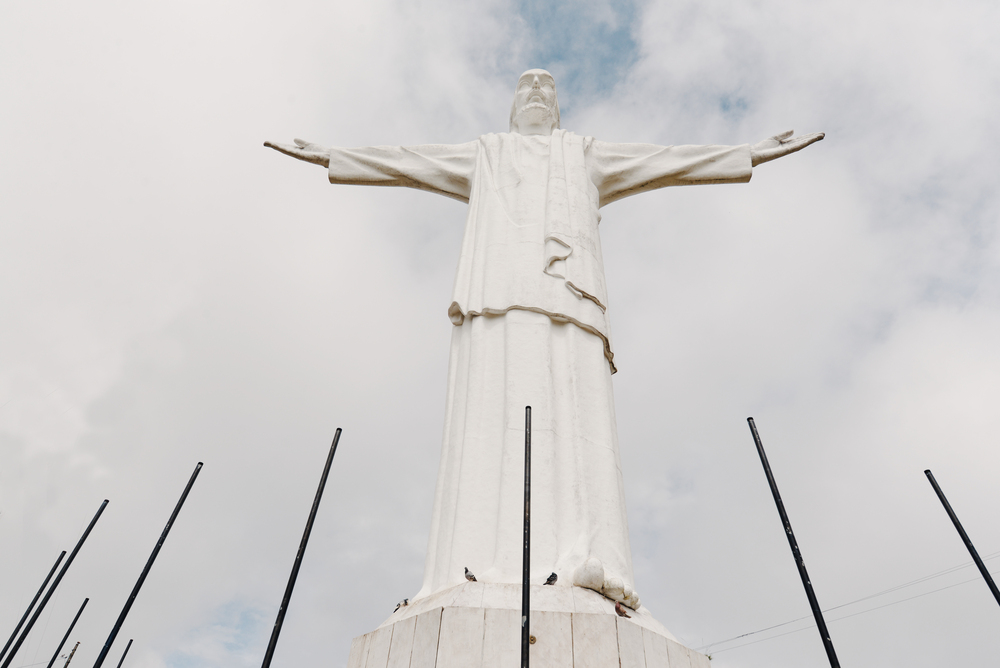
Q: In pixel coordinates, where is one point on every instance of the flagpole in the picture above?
(32, 604)
(792, 543)
(273, 642)
(965, 537)
(526, 555)
(145, 571)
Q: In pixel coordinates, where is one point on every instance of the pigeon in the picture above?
(469, 576)
(402, 604)
(620, 609)
(552, 579)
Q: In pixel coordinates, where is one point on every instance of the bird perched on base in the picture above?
(552, 579)
(402, 604)
(620, 609)
(469, 576)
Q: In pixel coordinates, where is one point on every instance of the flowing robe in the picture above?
(531, 328)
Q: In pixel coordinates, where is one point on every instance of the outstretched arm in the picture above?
(445, 169)
(781, 145)
(621, 170)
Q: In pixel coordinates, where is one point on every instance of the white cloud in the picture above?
(174, 292)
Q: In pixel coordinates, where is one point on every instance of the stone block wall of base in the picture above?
(469, 637)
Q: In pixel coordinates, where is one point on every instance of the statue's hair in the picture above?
(513, 110)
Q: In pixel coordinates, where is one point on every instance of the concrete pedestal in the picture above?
(478, 625)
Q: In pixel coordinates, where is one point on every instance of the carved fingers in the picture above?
(810, 139)
(311, 147)
(780, 145)
(303, 150)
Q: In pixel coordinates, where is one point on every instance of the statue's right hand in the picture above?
(303, 150)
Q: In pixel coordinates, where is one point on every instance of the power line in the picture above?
(855, 614)
(844, 605)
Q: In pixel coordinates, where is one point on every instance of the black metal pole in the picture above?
(68, 631)
(810, 594)
(32, 604)
(145, 571)
(526, 558)
(70, 657)
(965, 537)
(55, 583)
(273, 642)
(127, 647)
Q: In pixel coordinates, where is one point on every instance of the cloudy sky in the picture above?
(173, 292)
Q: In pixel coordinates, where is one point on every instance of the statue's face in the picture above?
(535, 101)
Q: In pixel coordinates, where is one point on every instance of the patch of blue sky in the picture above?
(236, 629)
(733, 106)
(588, 46)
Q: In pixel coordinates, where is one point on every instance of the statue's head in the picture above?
(535, 109)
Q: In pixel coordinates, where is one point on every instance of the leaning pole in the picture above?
(800, 563)
(286, 599)
(32, 604)
(55, 583)
(145, 571)
(55, 655)
(964, 536)
(125, 653)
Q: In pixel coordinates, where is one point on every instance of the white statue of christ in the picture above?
(530, 311)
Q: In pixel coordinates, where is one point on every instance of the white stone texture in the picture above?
(585, 601)
(502, 638)
(595, 641)
(378, 649)
(556, 598)
(553, 632)
(359, 652)
(699, 660)
(630, 646)
(549, 598)
(470, 595)
(461, 641)
(426, 634)
(502, 596)
(401, 645)
(678, 655)
(477, 625)
(655, 648)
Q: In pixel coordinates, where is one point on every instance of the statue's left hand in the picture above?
(304, 150)
(781, 145)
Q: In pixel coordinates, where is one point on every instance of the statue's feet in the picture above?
(591, 574)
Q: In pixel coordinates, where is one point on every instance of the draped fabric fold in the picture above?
(529, 245)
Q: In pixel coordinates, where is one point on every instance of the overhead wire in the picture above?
(854, 614)
(911, 583)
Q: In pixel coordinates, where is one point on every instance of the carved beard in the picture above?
(536, 111)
